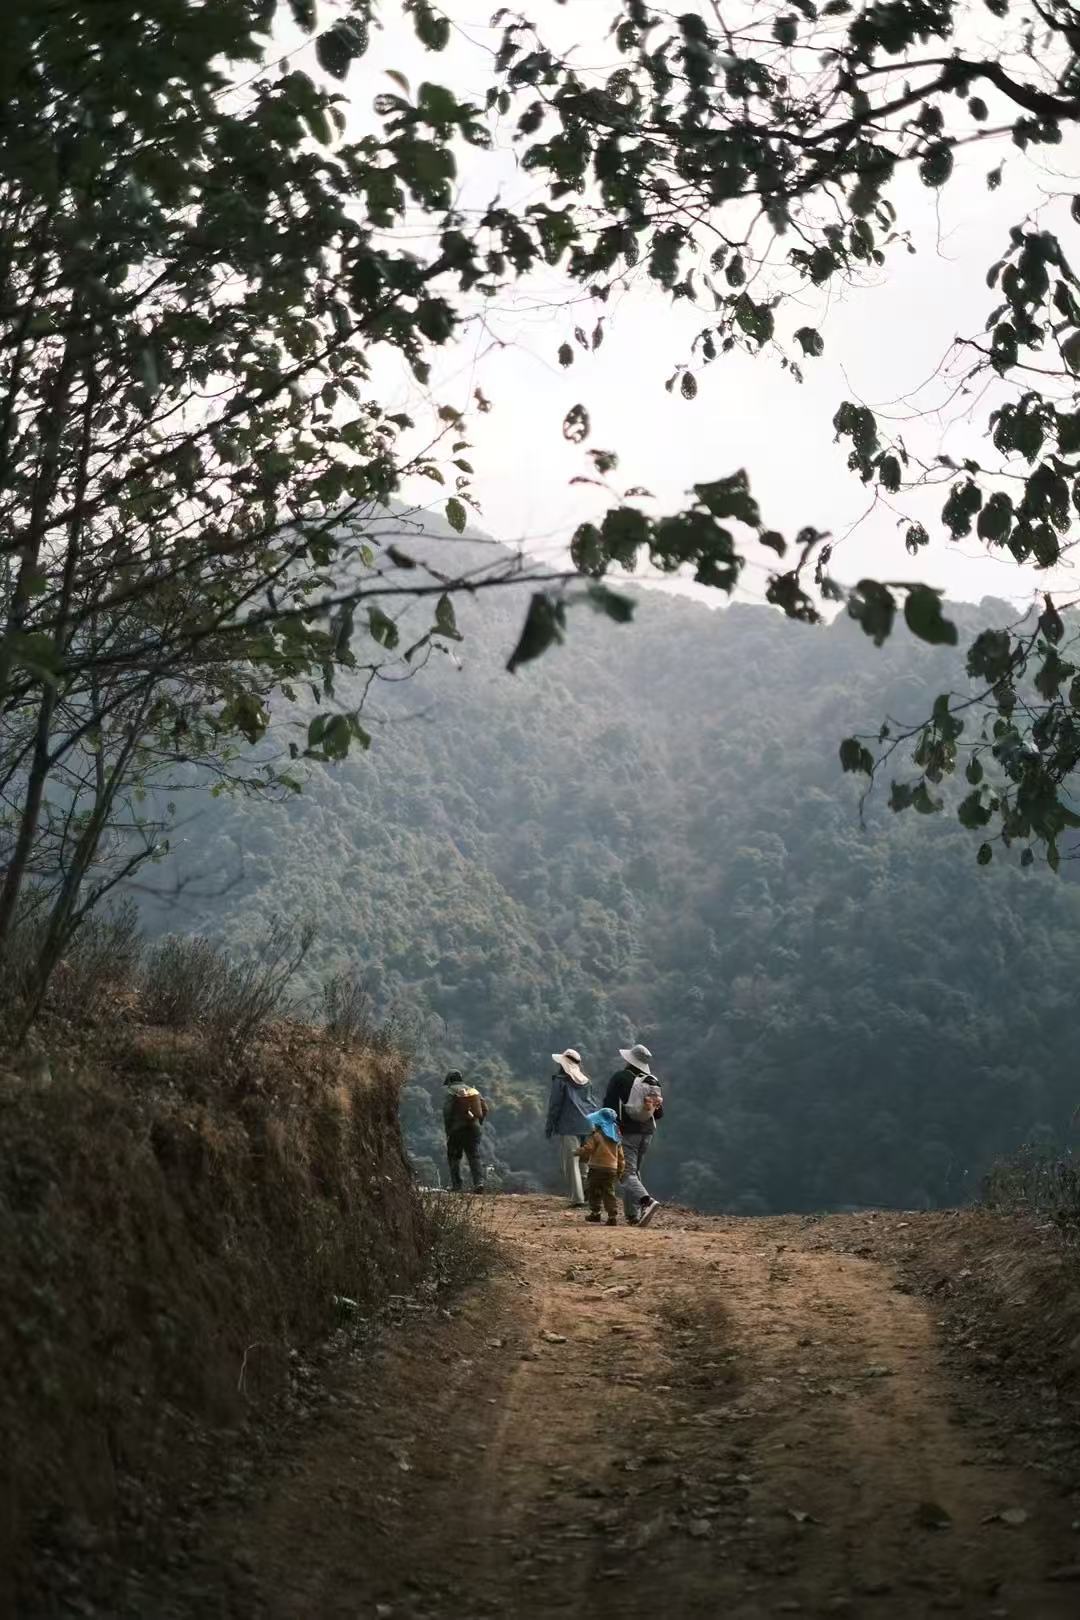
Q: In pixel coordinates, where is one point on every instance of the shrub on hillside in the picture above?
(462, 1243)
(182, 981)
(349, 1010)
(193, 982)
(1036, 1181)
(102, 956)
(255, 990)
(351, 1018)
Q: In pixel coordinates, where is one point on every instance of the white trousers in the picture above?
(571, 1167)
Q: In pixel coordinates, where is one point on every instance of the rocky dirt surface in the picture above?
(737, 1418)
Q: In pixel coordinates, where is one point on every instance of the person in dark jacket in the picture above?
(569, 1106)
(638, 1203)
(464, 1112)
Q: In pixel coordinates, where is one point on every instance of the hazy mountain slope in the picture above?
(647, 834)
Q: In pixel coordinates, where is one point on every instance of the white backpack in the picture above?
(644, 1099)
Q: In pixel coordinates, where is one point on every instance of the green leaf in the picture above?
(936, 166)
(821, 265)
(855, 756)
(1051, 623)
(624, 531)
(874, 606)
(972, 812)
(432, 30)
(576, 424)
(438, 105)
(922, 612)
(985, 855)
(339, 46)
(456, 515)
(543, 626)
(587, 549)
(319, 125)
(445, 619)
(336, 737)
(756, 320)
(303, 12)
(996, 518)
(989, 655)
(383, 628)
(889, 474)
(37, 653)
(960, 508)
(611, 603)
(811, 340)
(730, 498)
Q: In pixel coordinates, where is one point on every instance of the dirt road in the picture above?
(708, 1417)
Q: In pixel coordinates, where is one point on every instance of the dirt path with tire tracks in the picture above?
(703, 1418)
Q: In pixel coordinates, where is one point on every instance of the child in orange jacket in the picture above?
(603, 1153)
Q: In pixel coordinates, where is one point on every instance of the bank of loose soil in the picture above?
(735, 1418)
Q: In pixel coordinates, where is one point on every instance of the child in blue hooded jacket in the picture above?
(603, 1153)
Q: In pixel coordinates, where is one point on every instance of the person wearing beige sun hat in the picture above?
(569, 1105)
(634, 1093)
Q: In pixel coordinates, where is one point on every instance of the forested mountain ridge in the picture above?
(646, 834)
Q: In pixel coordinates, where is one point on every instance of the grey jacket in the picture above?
(567, 1108)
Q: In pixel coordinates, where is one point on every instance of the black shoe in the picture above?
(647, 1210)
(595, 1218)
(613, 1220)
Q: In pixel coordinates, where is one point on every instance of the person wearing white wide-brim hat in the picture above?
(569, 1105)
(638, 1129)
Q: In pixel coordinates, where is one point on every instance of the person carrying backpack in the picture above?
(603, 1153)
(569, 1107)
(464, 1112)
(633, 1094)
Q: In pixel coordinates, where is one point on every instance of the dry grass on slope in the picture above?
(175, 1219)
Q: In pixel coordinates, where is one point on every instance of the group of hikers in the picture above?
(610, 1141)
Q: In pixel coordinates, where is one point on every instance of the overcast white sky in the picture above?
(882, 342)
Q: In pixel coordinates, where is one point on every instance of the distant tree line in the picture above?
(636, 840)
